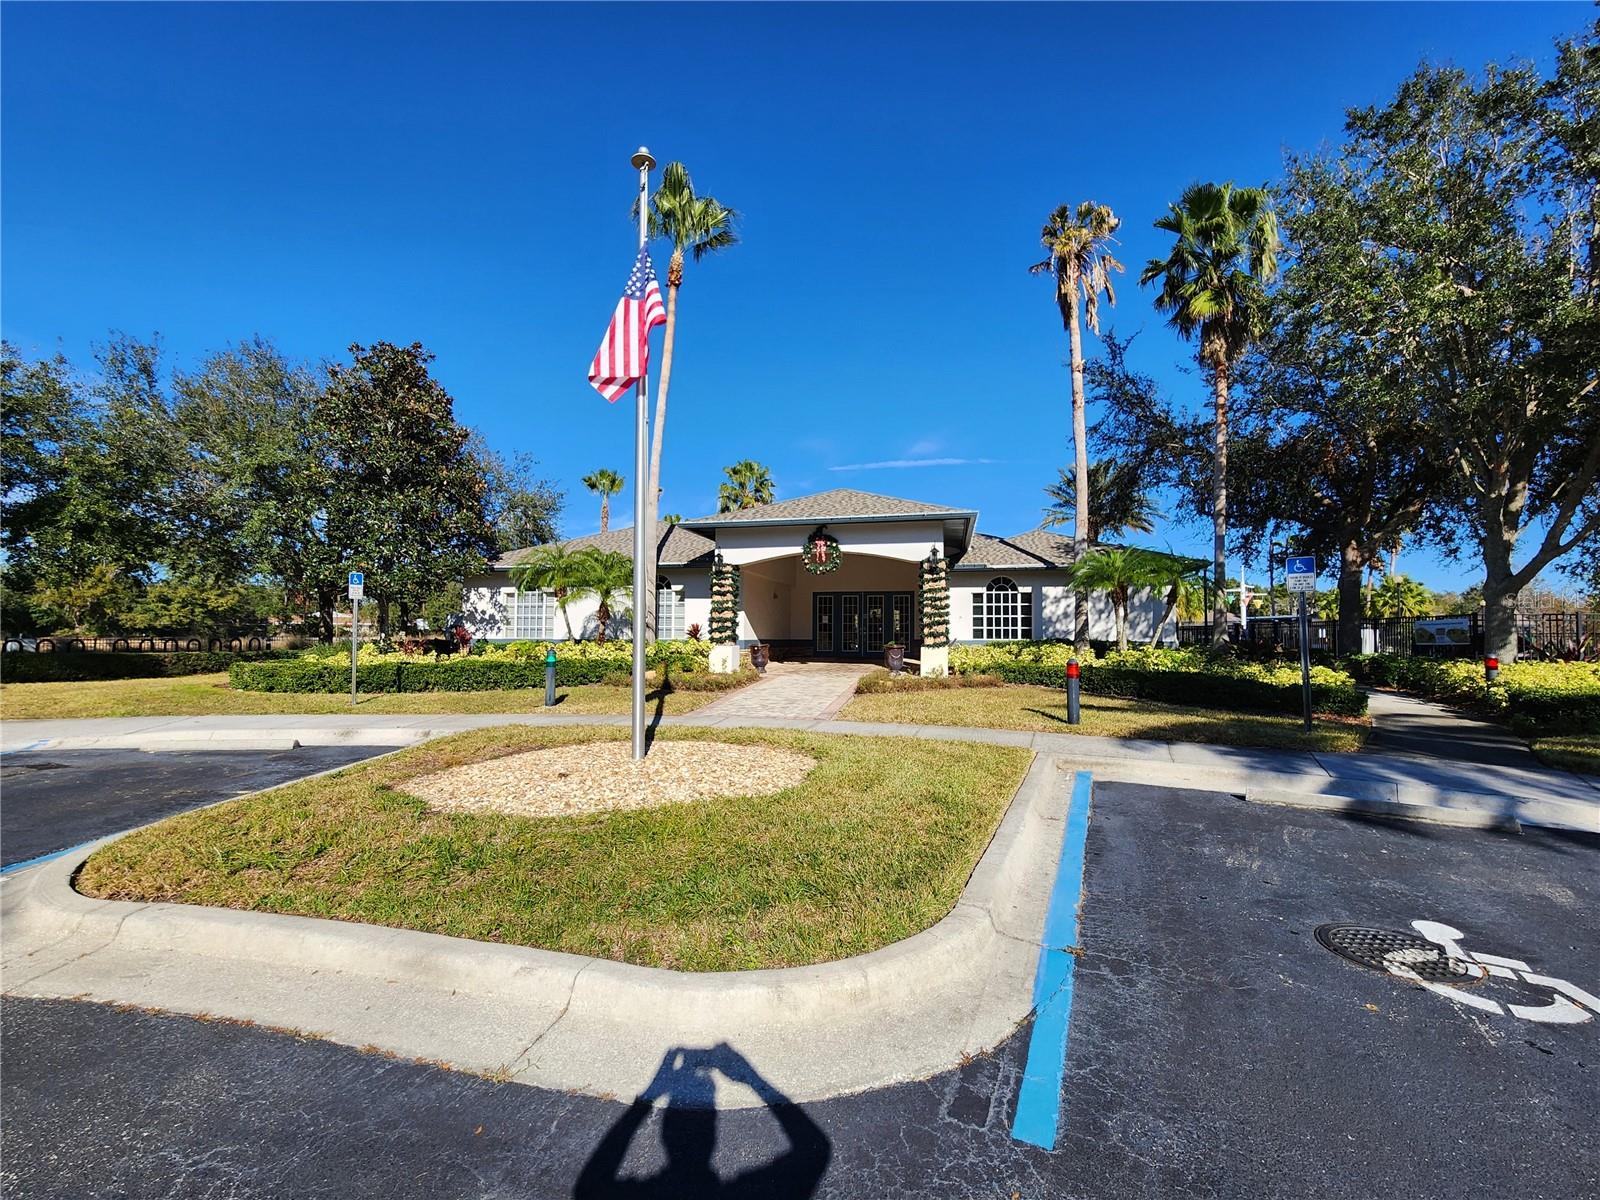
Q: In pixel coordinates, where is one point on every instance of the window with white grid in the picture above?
(534, 618)
(1002, 612)
(669, 609)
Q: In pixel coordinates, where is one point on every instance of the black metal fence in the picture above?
(1545, 635)
(137, 644)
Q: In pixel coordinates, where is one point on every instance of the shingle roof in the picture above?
(675, 546)
(1038, 548)
(840, 504)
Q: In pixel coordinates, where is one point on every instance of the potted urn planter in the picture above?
(894, 657)
(760, 656)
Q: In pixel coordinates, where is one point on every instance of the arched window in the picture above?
(1002, 612)
(669, 609)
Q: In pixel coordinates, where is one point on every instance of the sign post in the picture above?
(1300, 576)
(358, 587)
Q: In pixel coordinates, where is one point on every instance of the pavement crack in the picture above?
(572, 989)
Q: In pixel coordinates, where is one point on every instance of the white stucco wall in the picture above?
(489, 604)
(906, 541)
(1053, 607)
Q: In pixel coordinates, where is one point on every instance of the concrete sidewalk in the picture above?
(1401, 784)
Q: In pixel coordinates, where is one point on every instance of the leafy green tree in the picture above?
(408, 501)
(1118, 501)
(605, 484)
(749, 484)
(695, 225)
(1212, 286)
(42, 413)
(1080, 261)
(608, 577)
(524, 509)
(1473, 202)
(557, 570)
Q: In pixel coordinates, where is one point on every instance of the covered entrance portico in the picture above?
(836, 585)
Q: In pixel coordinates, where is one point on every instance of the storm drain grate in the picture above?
(1381, 948)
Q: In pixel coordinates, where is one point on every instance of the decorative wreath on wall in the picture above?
(821, 554)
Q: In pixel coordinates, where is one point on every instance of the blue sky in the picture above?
(458, 175)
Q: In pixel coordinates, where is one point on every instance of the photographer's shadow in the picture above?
(689, 1137)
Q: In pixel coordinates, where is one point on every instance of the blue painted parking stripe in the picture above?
(43, 858)
(1039, 1098)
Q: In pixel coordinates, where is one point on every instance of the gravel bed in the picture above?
(602, 776)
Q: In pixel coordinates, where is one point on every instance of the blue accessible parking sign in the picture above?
(1300, 573)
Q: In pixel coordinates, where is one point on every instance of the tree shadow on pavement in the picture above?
(685, 1080)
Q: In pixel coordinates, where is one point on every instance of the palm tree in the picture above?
(1177, 574)
(1399, 596)
(552, 569)
(1212, 286)
(1117, 501)
(749, 484)
(1119, 571)
(695, 224)
(604, 484)
(1081, 263)
(673, 518)
(605, 575)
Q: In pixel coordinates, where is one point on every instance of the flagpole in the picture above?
(641, 484)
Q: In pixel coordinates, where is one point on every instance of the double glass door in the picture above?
(859, 623)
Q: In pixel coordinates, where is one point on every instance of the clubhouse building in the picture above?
(829, 576)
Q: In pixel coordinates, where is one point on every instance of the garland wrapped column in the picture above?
(722, 629)
(933, 596)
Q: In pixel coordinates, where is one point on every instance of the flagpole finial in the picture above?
(643, 160)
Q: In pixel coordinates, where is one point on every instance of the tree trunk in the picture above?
(1348, 636)
(657, 432)
(1219, 507)
(566, 617)
(1120, 603)
(383, 616)
(605, 511)
(1499, 605)
(602, 616)
(325, 614)
(1172, 607)
(1080, 466)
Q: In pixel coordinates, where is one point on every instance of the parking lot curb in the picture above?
(902, 1012)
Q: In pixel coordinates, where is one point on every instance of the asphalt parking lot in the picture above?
(1216, 1048)
(52, 800)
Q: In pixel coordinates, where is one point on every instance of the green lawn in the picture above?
(1579, 752)
(1022, 706)
(205, 695)
(876, 844)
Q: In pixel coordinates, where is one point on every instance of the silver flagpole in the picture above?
(641, 484)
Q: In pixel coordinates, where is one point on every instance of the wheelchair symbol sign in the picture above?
(1568, 1004)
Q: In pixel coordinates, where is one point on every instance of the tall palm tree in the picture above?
(749, 484)
(607, 576)
(1213, 287)
(1117, 501)
(552, 569)
(697, 225)
(1080, 262)
(604, 484)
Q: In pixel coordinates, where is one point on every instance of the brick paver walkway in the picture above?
(792, 691)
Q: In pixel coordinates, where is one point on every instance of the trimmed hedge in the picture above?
(1535, 697)
(84, 666)
(1190, 677)
(461, 674)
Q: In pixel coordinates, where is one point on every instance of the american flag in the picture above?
(624, 354)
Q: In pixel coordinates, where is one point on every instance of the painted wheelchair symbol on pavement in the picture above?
(1568, 1005)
